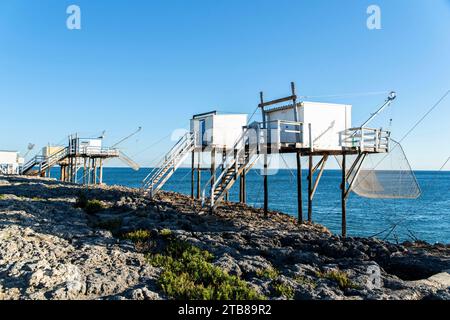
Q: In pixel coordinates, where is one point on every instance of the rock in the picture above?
(51, 250)
(228, 264)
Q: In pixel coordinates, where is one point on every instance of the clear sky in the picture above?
(155, 63)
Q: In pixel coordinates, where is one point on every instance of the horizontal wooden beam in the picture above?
(269, 103)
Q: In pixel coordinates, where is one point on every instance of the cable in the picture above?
(347, 95)
(444, 164)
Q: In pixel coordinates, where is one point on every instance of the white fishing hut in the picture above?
(219, 131)
(10, 162)
(319, 126)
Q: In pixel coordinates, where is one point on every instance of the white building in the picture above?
(327, 121)
(10, 162)
(219, 131)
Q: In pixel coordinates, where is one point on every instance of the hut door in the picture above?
(202, 130)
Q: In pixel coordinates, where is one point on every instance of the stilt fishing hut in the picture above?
(81, 161)
(289, 126)
(317, 130)
(212, 133)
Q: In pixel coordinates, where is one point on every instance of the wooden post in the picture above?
(213, 166)
(84, 171)
(344, 200)
(266, 180)
(243, 193)
(310, 178)
(192, 173)
(299, 188)
(199, 174)
(101, 172)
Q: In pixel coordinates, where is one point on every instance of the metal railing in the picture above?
(366, 139)
(178, 150)
(241, 154)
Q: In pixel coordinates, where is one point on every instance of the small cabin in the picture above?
(217, 130)
(10, 162)
(47, 151)
(321, 123)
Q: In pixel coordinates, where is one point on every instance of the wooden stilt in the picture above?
(344, 199)
(213, 166)
(84, 171)
(192, 174)
(100, 178)
(199, 174)
(299, 189)
(310, 186)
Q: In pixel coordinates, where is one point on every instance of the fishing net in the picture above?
(384, 175)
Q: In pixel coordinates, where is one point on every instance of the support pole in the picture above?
(344, 199)
(310, 178)
(213, 166)
(299, 189)
(84, 171)
(101, 172)
(192, 174)
(266, 180)
(199, 174)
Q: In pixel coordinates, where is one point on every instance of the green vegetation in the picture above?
(165, 232)
(283, 290)
(268, 273)
(2, 197)
(93, 206)
(90, 206)
(137, 236)
(304, 281)
(189, 274)
(340, 277)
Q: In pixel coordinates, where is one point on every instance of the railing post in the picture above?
(310, 137)
(362, 140)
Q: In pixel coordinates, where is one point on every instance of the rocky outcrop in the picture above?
(50, 249)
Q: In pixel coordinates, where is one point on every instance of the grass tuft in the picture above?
(189, 274)
(283, 290)
(268, 273)
(340, 277)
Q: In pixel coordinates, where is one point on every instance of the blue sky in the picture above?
(155, 63)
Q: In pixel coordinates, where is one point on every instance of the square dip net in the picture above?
(384, 175)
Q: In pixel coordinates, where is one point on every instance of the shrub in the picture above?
(2, 197)
(93, 206)
(189, 274)
(268, 273)
(137, 236)
(340, 277)
(283, 290)
(88, 205)
(165, 232)
(304, 281)
(82, 201)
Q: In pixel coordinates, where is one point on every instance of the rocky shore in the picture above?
(63, 241)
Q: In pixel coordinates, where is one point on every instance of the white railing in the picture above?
(242, 145)
(186, 141)
(366, 139)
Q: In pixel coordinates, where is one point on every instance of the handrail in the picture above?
(163, 159)
(366, 138)
(185, 142)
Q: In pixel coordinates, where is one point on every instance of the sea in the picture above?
(426, 218)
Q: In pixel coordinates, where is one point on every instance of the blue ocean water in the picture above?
(426, 218)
